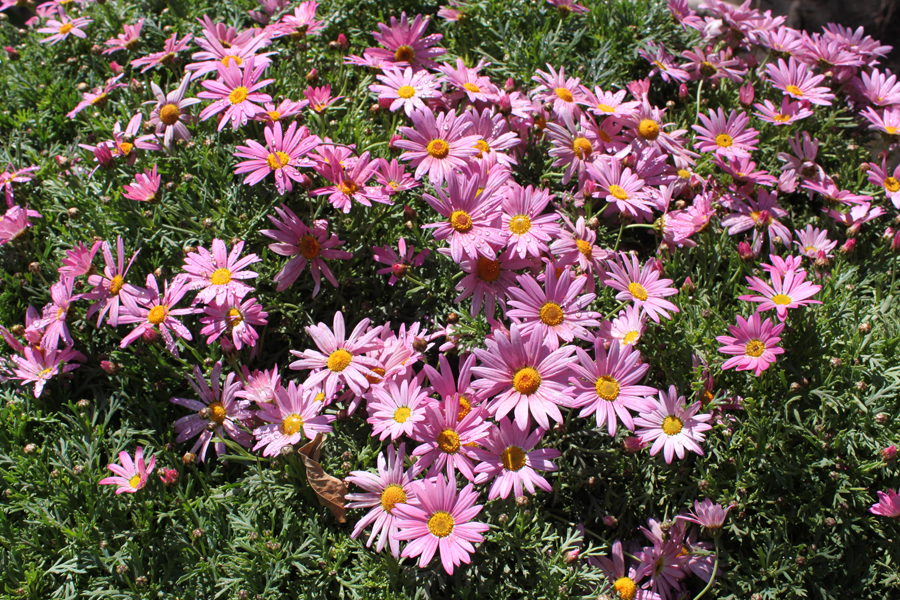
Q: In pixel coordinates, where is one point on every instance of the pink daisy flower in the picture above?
(399, 263)
(312, 245)
(396, 410)
(12, 176)
(405, 89)
(405, 45)
(260, 386)
(393, 176)
(728, 138)
(762, 216)
(488, 282)
(169, 115)
(392, 486)
(63, 27)
(620, 187)
(236, 93)
(572, 148)
(814, 240)
(469, 82)
(555, 313)
(629, 326)
(509, 458)
(349, 183)
(235, 318)
(663, 63)
(457, 387)
(796, 80)
(79, 260)
(754, 345)
(128, 40)
(790, 290)
(523, 221)
(881, 89)
(608, 386)
(97, 97)
(215, 53)
(168, 55)
(714, 66)
(319, 99)
(110, 288)
(641, 285)
(436, 145)
(38, 367)
(624, 582)
(789, 112)
(576, 245)
(15, 223)
(218, 274)
(496, 138)
(154, 310)
(524, 375)
(567, 7)
(707, 514)
(293, 416)
(217, 412)
(888, 505)
(887, 122)
(287, 108)
(564, 93)
(470, 214)
(448, 440)
(130, 475)
(302, 23)
(339, 359)
(881, 176)
(145, 187)
(55, 313)
(609, 104)
(282, 156)
(671, 427)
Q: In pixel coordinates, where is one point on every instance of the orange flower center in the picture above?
(169, 114)
(438, 148)
(513, 458)
(564, 94)
(582, 147)
(292, 424)
(441, 524)
(648, 129)
(672, 425)
(487, 269)
(66, 28)
(793, 89)
(404, 54)
(520, 224)
(115, 285)
(448, 441)
(754, 348)
(526, 381)
(551, 314)
(392, 496)
(310, 247)
(217, 412)
(461, 221)
(157, 314)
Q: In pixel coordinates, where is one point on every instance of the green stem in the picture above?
(616, 310)
(697, 110)
(712, 577)
(619, 237)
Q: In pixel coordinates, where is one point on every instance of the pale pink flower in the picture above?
(218, 274)
(38, 367)
(448, 440)
(528, 230)
(564, 93)
(301, 23)
(168, 55)
(405, 89)
(145, 187)
(707, 514)
(727, 137)
(283, 155)
(469, 82)
(405, 43)
(789, 112)
(14, 223)
(62, 27)
(671, 426)
(293, 416)
(488, 281)
(436, 145)
(79, 260)
(641, 285)
(214, 53)
(814, 240)
(399, 263)
(788, 290)
(110, 288)
(97, 97)
(754, 344)
(130, 475)
(169, 115)
(235, 318)
(54, 315)
(888, 505)
(396, 410)
(127, 40)
(349, 183)
(796, 80)
(235, 93)
(620, 187)
(319, 99)
(155, 310)
(509, 458)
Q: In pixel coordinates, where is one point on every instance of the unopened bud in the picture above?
(881, 418)
(313, 75)
(848, 247)
(29, 449)
(745, 251)
(12, 52)
(610, 521)
(189, 459)
(889, 454)
(836, 362)
(864, 328)
(522, 501)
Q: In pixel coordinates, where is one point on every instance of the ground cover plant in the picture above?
(488, 300)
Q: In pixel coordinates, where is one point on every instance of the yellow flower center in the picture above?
(157, 314)
(234, 318)
(582, 147)
(585, 248)
(672, 425)
(552, 314)
(319, 397)
(135, 481)
(220, 277)
(607, 387)
(310, 247)
(617, 192)
(125, 148)
(781, 299)
(238, 95)
(99, 100)
(376, 376)
(487, 269)
(684, 173)
(631, 337)
(66, 28)
(472, 87)
(461, 221)
(781, 118)
(810, 249)
(339, 360)
(648, 129)
(513, 458)
(526, 381)
(406, 91)
(448, 441)
(404, 54)
(115, 285)
(292, 424)
(402, 414)
(217, 412)
(441, 524)
(638, 291)
(169, 114)
(626, 588)
(723, 140)
(707, 69)
(891, 184)
(754, 348)
(793, 89)
(274, 115)
(482, 147)
(564, 94)
(278, 160)
(520, 224)
(890, 129)
(237, 59)
(606, 108)
(438, 148)
(348, 187)
(392, 496)
(465, 407)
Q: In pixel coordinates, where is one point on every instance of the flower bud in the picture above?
(572, 556)
(189, 459)
(864, 328)
(836, 363)
(745, 252)
(509, 86)
(29, 449)
(342, 41)
(633, 444)
(610, 521)
(13, 53)
(746, 95)
(682, 91)
(522, 501)
(889, 454)
(688, 286)
(881, 418)
(848, 246)
(116, 68)
(169, 477)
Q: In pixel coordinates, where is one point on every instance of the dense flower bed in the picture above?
(521, 300)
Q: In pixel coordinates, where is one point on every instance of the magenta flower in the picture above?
(154, 310)
(218, 274)
(609, 104)
(127, 40)
(495, 137)
(620, 187)
(608, 386)
(235, 319)
(788, 113)
(528, 230)
(509, 458)
(469, 83)
(300, 24)
(12, 176)
(260, 386)
(629, 326)
(312, 245)
(217, 412)
(393, 176)
(572, 148)
(577, 245)
(888, 505)
(813, 240)
(728, 138)
(55, 314)
(349, 183)
(624, 582)
(448, 439)
(762, 215)
(556, 313)
(488, 282)
(39, 367)
(79, 260)
(663, 63)
(405, 45)
(287, 108)
(63, 27)
(145, 187)
(788, 290)
(168, 55)
(754, 345)
(15, 223)
(284, 154)
(169, 115)
(110, 288)
(523, 374)
(671, 427)
(399, 264)
(440, 521)
(392, 486)
(707, 514)
(215, 53)
(641, 285)
(436, 145)
(236, 93)
(130, 475)
(397, 410)
(447, 385)
(293, 416)
(339, 359)
(405, 89)
(796, 80)
(881, 176)
(96, 97)
(564, 93)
